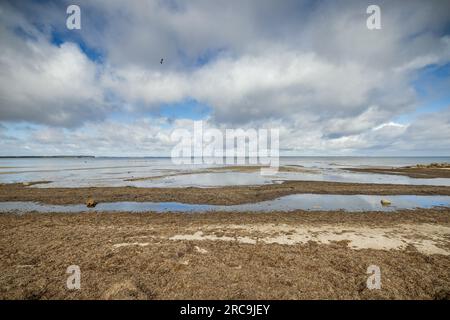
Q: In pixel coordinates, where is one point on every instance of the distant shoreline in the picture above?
(33, 157)
(169, 157)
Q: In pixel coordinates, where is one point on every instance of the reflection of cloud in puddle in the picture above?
(354, 203)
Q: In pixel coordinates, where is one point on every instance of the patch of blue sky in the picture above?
(208, 56)
(197, 61)
(20, 130)
(55, 28)
(432, 87)
(186, 109)
(189, 108)
(58, 38)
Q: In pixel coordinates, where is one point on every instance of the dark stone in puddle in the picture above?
(91, 203)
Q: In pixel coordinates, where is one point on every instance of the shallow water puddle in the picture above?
(312, 202)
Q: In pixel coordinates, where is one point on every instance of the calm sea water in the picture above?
(75, 172)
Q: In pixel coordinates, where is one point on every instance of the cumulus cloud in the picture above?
(45, 83)
(312, 69)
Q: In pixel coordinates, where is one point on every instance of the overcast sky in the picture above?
(310, 68)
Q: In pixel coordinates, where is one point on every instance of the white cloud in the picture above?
(49, 84)
(312, 69)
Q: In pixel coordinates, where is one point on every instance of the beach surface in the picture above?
(296, 255)
(420, 172)
(290, 254)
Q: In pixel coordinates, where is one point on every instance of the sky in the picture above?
(311, 69)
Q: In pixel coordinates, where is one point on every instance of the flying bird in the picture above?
(161, 61)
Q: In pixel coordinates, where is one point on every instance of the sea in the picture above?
(74, 172)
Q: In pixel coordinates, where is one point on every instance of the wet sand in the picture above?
(412, 172)
(228, 195)
(246, 168)
(298, 255)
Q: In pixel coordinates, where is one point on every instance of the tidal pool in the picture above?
(311, 202)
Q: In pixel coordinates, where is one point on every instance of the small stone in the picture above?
(91, 203)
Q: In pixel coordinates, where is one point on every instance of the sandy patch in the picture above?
(426, 238)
